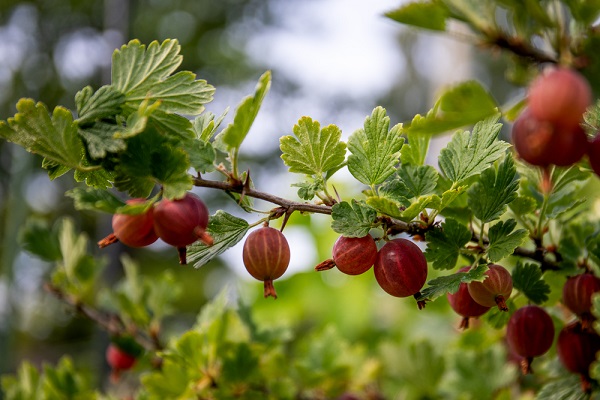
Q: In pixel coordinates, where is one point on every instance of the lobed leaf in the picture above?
(504, 240)
(94, 200)
(469, 154)
(92, 106)
(495, 188)
(54, 138)
(415, 150)
(427, 15)
(352, 219)
(375, 149)
(445, 244)
(226, 231)
(313, 151)
(386, 206)
(527, 278)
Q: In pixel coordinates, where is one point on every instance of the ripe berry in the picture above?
(532, 139)
(577, 350)
(530, 333)
(266, 255)
(593, 152)
(463, 304)
(401, 268)
(353, 256)
(132, 230)
(494, 290)
(181, 222)
(560, 95)
(577, 296)
(118, 360)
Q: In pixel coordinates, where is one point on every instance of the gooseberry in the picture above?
(463, 304)
(132, 230)
(577, 348)
(354, 255)
(181, 222)
(266, 256)
(118, 360)
(577, 295)
(494, 290)
(401, 269)
(529, 334)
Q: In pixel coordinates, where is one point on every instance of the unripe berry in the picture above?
(530, 333)
(401, 268)
(354, 256)
(266, 256)
(463, 304)
(181, 222)
(560, 95)
(494, 290)
(132, 230)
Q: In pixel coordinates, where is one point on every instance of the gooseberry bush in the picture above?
(505, 231)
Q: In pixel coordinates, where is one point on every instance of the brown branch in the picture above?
(239, 187)
(110, 322)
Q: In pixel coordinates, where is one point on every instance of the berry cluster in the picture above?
(178, 222)
(549, 132)
(400, 266)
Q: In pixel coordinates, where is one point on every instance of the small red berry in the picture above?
(560, 95)
(266, 256)
(577, 349)
(132, 230)
(181, 222)
(530, 333)
(354, 256)
(463, 304)
(494, 290)
(577, 296)
(401, 268)
(118, 360)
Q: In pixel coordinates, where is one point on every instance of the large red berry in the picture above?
(181, 222)
(401, 268)
(593, 152)
(266, 256)
(560, 95)
(119, 360)
(577, 295)
(463, 304)
(132, 230)
(569, 144)
(577, 348)
(354, 256)
(530, 333)
(494, 290)
(532, 139)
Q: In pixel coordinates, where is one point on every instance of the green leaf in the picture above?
(451, 283)
(106, 102)
(415, 150)
(527, 278)
(469, 154)
(445, 244)
(419, 181)
(523, 205)
(234, 134)
(564, 388)
(38, 238)
(226, 231)
(150, 159)
(94, 200)
(503, 241)
(137, 69)
(101, 139)
(313, 151)
(25, 385)
(54, 138)
(498, 318)
(308, 190)
(413, 211)
(202, 156)
(386, 206)
(449, 196)
(584, 11)
(65, 382)
(99, 179)
(375, 149)
(180, 93)
(427, 15)
(566, 182)
(206, 125)
(489, 196)
(460, 105)
(352, 220)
